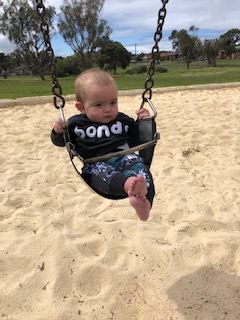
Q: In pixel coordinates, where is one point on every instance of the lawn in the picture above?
(177, 75)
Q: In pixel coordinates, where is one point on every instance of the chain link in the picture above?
(149, 83)
(58, 99)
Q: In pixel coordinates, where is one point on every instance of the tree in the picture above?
(211, 49)
(193, 29)
(17, 65)
(185, 44)
(21, 24)
(229, 41)
(68, 66)
(112, 56)
(82, 28)
(4, 63)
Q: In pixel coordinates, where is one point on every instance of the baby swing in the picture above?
(146, 135)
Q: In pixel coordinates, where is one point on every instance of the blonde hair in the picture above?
(88, 77)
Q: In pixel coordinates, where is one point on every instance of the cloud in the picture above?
(134, 21)
(214, 14)
(6, 46)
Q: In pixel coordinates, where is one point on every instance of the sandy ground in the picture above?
(68, 254)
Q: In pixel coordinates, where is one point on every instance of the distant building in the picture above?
(165, 55)
(222, 54)
(169, 55)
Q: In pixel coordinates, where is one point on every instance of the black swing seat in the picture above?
(145, 140)
(147, 135)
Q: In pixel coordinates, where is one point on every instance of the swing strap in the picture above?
(120, 153)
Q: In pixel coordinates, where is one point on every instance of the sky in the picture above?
(134, 22)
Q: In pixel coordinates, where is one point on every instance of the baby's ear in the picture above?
(80, 106)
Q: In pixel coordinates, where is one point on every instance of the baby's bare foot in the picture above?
(141, 205)
(137, 187)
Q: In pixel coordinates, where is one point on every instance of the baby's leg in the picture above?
(105, 180)
(136, 189)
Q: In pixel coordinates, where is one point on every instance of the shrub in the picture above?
(137, 70)
(161, 69)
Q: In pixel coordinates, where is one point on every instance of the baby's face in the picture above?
(101, 103)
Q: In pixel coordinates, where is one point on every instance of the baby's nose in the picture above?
(107, 107)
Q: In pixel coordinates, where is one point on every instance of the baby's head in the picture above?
(91, 77)
(97, 95)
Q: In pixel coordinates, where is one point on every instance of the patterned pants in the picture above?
(109, 176)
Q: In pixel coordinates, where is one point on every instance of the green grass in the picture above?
(177, 75)
(28, 86)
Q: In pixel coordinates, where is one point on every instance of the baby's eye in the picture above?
(113, 103)
(98, 105)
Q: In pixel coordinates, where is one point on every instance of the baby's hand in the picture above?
(59, 125)
(143, 113)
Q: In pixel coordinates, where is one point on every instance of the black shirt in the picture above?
(93, 139)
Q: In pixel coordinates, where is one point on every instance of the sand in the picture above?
(67, 254)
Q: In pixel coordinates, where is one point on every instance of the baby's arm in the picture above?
(57, 133)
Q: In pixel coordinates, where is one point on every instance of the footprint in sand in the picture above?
(92, 249)
(92, 280)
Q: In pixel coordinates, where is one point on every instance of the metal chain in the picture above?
(155, 53)
(58, 99)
